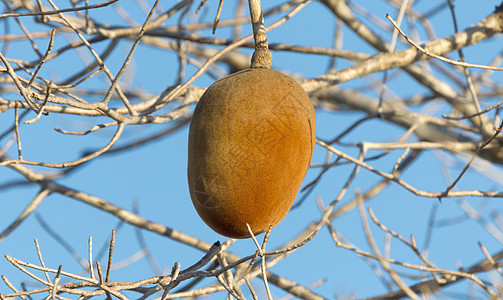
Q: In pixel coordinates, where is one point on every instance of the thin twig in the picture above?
(16, 130)
(128, 59)
(115, 138)
(41, 260)
(110, 254)
(46, 13)
(466, 72)
(481, 146)
(405, 184)
(56, 282)
(392, 273)
(26, 212)
(90, 257)
(261, 254)
(44, 58)
(217, 17)
(429, 53)
(474, 115)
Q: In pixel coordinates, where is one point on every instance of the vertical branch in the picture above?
(338, 39)
(90, 257)
(228, 276)
(252, 291)
(87, 15)
(16, 130)
(110, 254)
(40, 258)
(143, 245)
(217, 17)
(56, 282)
(238, 13)
(466, 72)
(262, 57)
(391, 49)
(262, 256)
(100, 273)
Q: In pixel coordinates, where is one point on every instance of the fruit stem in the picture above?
(262, 57)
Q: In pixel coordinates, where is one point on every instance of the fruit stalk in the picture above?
(262, 57)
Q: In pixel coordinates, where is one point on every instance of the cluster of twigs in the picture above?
(149, 286)
(470, 130)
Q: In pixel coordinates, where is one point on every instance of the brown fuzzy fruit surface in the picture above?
(251, 140)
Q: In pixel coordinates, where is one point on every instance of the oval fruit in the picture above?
(251, 140)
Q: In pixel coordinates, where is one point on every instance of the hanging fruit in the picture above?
(251, 140)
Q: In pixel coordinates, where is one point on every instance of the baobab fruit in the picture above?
(251, 140)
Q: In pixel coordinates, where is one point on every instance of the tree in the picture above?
(402, 198)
